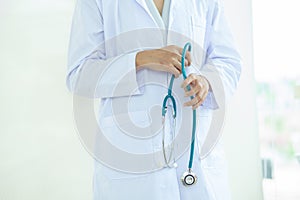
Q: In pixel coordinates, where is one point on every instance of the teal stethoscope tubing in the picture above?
(186, 48)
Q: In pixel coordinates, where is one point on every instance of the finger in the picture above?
(188, 80)
(188, 58)
(202, 92)
(193, 101)
(186, 63)
(201, 101)
(171, 51)
(178, 50)
(174, 50)
(177, 64)
(194, 90)
(205, 95)
(170, 68)
(173, 70)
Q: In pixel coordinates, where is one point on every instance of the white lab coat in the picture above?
(113, 31)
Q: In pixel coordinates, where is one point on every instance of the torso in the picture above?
(159, 5)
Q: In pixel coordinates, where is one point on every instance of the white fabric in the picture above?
(95, 23)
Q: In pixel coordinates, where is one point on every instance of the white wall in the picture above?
(41, 156)
(241, 130)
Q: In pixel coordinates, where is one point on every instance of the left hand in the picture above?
(199, 89)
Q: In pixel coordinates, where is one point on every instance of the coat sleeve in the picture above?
(222, 65)
(90, 73)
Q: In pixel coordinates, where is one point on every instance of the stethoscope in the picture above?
(188, 178)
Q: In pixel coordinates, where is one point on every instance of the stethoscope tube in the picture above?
(188, 178)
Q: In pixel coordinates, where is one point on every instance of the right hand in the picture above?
(166, 59)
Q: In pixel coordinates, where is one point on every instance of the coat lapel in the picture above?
(143, 4)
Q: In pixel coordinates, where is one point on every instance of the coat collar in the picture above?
(143, 4)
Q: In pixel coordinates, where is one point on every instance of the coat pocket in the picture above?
(131, 132)
(198, 27)
(111, 184)
(114, 185)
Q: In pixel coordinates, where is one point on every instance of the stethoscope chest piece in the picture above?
(189, 178)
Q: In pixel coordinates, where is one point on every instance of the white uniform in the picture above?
(105, 37)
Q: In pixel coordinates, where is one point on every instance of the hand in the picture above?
(199, 89)
(167, 59)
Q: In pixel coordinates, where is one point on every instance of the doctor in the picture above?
(133, 42)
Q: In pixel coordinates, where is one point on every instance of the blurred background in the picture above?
(41, 154)
(277, 75)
